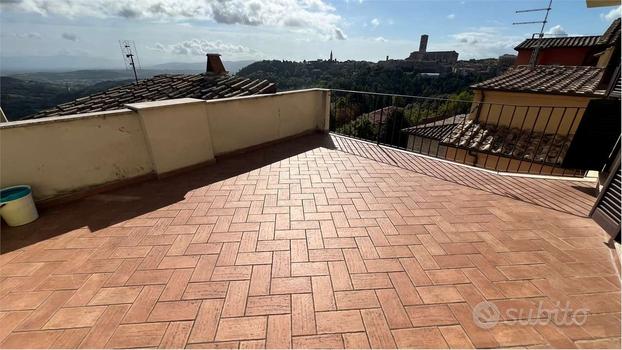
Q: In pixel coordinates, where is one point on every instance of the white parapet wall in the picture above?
(67, 155)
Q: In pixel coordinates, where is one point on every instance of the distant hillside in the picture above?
(20, 98)
(359, 75)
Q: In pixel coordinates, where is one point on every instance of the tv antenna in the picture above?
(130, 56)
(536, 51)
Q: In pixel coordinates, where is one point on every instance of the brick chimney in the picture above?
(423, 44)
(214, 64)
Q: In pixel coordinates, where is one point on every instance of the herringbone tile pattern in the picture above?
(305, 247)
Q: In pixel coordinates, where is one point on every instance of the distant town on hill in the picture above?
(26, 93)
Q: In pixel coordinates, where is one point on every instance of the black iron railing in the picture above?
(500, 137)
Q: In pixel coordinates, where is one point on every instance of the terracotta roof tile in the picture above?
(611, 34)
(161, 87)
(547, 79)
(566, 41)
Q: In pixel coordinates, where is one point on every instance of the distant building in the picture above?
(448, 57)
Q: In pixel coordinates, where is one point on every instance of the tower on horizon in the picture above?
(331, 56)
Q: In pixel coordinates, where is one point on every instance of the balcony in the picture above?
(242, 223)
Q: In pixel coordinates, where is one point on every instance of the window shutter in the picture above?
(606, 211)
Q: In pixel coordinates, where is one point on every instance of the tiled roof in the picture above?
(436, 130)
(611, 34)
(551, 79)
(567, 41)
(162, 87)
(512, 143)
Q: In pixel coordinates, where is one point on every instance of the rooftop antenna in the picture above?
(130, 56)
(536, 51)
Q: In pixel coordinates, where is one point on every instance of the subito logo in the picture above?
(486, 315)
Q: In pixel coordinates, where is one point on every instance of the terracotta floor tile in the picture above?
(71, 338)
(290, 285)
(439, 294)
(326, 341)
(370, 280)
(394, 311)
(516, 335)
(338, 322)
(303, 314)
(518, 289)
(115, 295)
(23, 301)
(231, 273)
(355, 341)
(174, 311)
(455, 337)
(424, 338)
(206, 290)
(235, 301)
(75, 317)
(260, 280)
(206, 323)
(430, 315)
(323, 297)
(141, 308)
(38, 318)
(31, 340)
(279, 333)
(317, 242)
(360, 299)
(378, 331)
(137, 335)
(241, 328)
(63, 282)
(405, 289)
(339, 275)
(176, 335)
(268, 305)
(105, 326)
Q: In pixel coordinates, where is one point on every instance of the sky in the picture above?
(184, 30)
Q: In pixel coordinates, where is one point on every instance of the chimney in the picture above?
(214, 64)
(423, 44)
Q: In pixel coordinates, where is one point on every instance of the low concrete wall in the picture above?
(68, 155)
(239, 123)
(59, 155)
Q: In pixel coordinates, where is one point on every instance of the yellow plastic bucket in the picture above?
(17, 206)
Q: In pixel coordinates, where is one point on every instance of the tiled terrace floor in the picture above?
(298, 245)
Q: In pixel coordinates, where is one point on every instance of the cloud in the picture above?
(611, 15)
(451, 16)
(483, 42)
(374, 22)
(30, 35)
(69, 36)
(199, 47)
(557, 30)
(316, 16)
(381, 39)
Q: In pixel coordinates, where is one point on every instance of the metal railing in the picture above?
(500, 137)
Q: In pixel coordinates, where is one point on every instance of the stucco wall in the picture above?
(563, 119)
(62, 155)
(240, 123)
(176, 131)
(59, 155)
